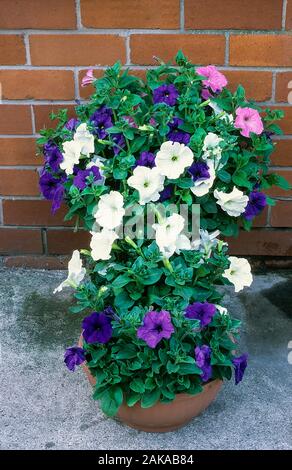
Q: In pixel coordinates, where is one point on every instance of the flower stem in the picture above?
(168, 265)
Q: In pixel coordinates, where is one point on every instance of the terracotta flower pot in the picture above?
(165, 417)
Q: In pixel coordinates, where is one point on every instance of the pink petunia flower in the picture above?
(215, 80)
(248, 120)
(88, 78)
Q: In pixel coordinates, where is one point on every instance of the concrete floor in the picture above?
(44, 406)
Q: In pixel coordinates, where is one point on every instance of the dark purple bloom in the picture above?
(167, 94)
(257, 202)
(97, 328)
(240, 364)
(166, 193)
(52, 189)
(202, 311)
(74, 357)
(101, 120)
(203, 360)
(156, 326)
(146, 159)
(177, 135)
(109, 311)
(72, 124)
(53, 156)
(152, 122)
(120, 141)
(80, 179)
(199, 171)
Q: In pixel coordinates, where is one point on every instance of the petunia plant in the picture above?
(140, 162)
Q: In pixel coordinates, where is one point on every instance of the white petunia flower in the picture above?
(148, 182)
(211, 147)
(85, 138)
(222, 310)
(202, 186)
(168, 235)
(75, 272)
(217, 110)
(234, 203)
(71, 155)
(110, 210)
(172, 159)
(206, 242)
(101, 244)
(238, 273)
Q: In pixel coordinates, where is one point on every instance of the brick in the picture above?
(261, 50)
(275, 190)
(282, 156)
(86, 91)
(262, 243)
(37, 84)
(289, 16)
(233, 14)
(18, 151)
(42, 114)
(62, 242)
(53, 14)
(261, 220)
(12, 49)
(163, 14)
(72, 49)
(282, 214)
(13, 241)
(36, 212)
(199, 48)
(15, 119)
(258, 85)
(284, 87)
(19, 182)
(36, 262)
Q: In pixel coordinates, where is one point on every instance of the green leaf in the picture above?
(240, 179)
(111, 401)
(133, 398)
(150, 398)
(121, 281)
(124, 351)
(188, 368)
(224, 176)
(137, 385)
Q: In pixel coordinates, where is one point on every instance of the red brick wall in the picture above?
(45, 48)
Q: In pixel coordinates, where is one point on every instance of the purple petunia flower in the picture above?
(240, 364)
(80, 179)
(74, 357)
(203, 360)
(130, 120)
(146, 159)
(53, 156)
(167, 94)
(177, 135)
(202, 311)
(72, 124)
(257, 202)
(52, 189)
(166, 193)
(97, 328)
(199, 171)
(156, 326)
(101, 120)
(120, 141)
